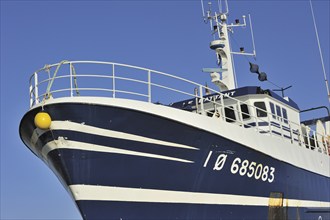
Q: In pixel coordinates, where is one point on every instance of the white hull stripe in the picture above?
(73, 126)
(108, 193)
(35, 135)
(67, 144)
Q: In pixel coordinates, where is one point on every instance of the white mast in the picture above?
(223, 52)
(221, 45)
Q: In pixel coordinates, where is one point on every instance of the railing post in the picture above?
(149, 86)
(240, 113)
(269, 124)
(36, 94)
(256, 118)
(325, 142)
(281, 126)
(301, 138)
(257, 123)
(71, 89)
(291, 132)
(30, 93)
(222, 107)
(307, 137)
(201, 98)
(196, 98)
(113, 82)
(319, 149)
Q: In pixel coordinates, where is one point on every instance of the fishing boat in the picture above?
(226, 153)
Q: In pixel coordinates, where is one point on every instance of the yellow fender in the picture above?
(42, 120)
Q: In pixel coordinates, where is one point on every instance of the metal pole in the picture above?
(201, 98)
(269, 124)
(196, 99)
(113, 82)
(36, 88)
(240, 113)
(291, 132)
(30, 93)
(71, 91)
(149, 86)
(223, 114)
(253, 44)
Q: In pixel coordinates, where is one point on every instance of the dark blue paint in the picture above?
(150, 211)
(87, 167)
(96, 168)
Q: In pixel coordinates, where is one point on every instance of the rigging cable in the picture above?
(320, 50)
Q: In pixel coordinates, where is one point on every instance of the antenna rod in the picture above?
(252, 35)
(220, 6)
(227, 8)
(203, 8)
(320, 50)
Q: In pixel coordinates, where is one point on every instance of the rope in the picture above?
(320, 50)
(52, 80)
(75, 80)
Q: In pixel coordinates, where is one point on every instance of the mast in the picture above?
(220, 30)
(222, 48)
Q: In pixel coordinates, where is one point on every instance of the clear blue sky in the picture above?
(168, 36)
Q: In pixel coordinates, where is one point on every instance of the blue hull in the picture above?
(205, 173)
(147, 211)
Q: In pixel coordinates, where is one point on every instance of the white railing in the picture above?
(41, 79)
(108, 79)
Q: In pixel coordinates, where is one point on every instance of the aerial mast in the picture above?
(221, 45)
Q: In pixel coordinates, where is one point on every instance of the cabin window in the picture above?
(278, 112)
(261, 109)
(245, 111)
(230, 114)
(285, 115)
(272, 108)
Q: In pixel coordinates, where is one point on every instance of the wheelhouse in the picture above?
(255, 108)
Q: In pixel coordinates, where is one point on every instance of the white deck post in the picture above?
(269, 124)
(36, 95)
(71, 91)
(113, 82)
(149, 86)
(201, 98)
(291, 132)
(222, 107)
(240, 113)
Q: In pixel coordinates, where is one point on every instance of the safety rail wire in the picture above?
(309, 140)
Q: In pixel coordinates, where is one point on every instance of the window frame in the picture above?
(272, 109)
(245, 112)
(261, 111)
(278, 112)
(232, 113)
(285, 116)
